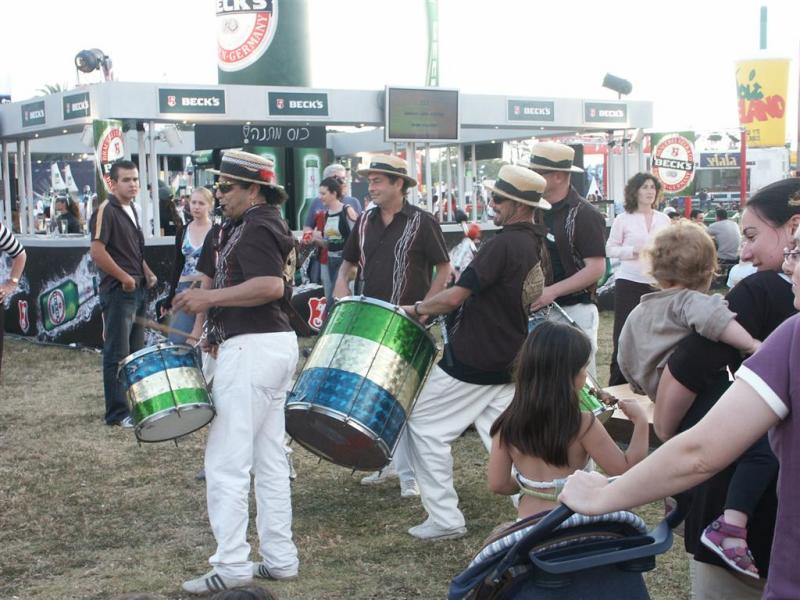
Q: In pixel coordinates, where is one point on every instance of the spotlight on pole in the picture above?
(623, 87)
(87, 61)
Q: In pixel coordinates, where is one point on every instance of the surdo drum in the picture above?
(358, 387)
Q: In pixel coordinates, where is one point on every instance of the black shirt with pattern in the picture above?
(489, 328)
(122, 237)
(396, 261)
(577, 232)
(258, 244)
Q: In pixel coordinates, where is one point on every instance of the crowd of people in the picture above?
(231, 292)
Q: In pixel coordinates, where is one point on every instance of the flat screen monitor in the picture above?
(422, 115)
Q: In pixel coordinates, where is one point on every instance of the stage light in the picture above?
(87, 61)
(623, 87)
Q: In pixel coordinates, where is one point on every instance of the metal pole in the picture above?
(411, 157)
(29, 183)
(144, 175)
(763, 29)
(460, 174)
(475, 187)
(7, 214)
(743, 168)
(428, 178)
(22, 205)
(439, 185)
(624, 158)
(797, 147)
(449, 182)
(154, 181)
(165, 167)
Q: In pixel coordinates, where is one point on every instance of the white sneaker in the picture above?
(213, 582)
(408, 488)
(429, 530)
(127, 423)
(261, 571)
(379, 477)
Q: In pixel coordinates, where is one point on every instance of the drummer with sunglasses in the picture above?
(487, 324)
(245, 292)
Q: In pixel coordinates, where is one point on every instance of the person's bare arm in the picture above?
(732, 425)
(253, 292)
(589, 275)
(498, 472)
(347, 273)
(598, 443)
(443, 272)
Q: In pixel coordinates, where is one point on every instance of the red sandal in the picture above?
(740, 559)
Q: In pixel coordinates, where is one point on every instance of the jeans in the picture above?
(334, 263)
(180, 320)
(121, 337)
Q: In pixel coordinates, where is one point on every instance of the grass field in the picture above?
(86, 513)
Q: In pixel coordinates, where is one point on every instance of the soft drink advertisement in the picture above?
(761, 87)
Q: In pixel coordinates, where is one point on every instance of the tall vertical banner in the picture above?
(263, 42)
(108, 147)
(761, 87)
(432, 74)
(673, 161)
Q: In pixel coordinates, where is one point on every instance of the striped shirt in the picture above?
(8, 243)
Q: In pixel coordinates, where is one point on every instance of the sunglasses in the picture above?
(791, 257)
(497, 199)
(223, 187)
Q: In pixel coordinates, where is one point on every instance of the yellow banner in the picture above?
(761, 87)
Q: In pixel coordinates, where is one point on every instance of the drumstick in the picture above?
(163, 328)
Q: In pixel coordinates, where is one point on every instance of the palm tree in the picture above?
(51, 89)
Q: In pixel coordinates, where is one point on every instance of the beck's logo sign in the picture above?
(531, 110)
(605, 112)
(22, 311)
(316, 308)
(245, 29)
(192, 101)
(33, 114)
(673, 162)
(77, 106)
(306, 105)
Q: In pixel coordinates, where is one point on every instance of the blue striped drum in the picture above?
(166, 390)
(358, 387)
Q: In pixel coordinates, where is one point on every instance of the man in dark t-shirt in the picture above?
(575, 242)
(117, 249)
(394, 248)
(487, 325)
(245, 285)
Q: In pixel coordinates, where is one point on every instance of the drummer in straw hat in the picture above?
(575, 241)
(487, 322)
(394, 248)
(256, 352)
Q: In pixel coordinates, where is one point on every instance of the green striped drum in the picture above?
(167, 394)
(358, 387)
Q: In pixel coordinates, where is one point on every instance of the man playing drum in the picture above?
(393, 248)
(487, 325)
(256, 354)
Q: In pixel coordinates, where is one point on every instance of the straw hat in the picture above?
(245, 166)
(552, 156)
(520, 184)
(388, 164)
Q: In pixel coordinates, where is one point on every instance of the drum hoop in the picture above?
(148, 350)
(391, 307)
(347, 420)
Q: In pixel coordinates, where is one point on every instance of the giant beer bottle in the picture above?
(60, 304)
(263, 42)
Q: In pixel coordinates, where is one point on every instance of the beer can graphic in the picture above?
(60, 304)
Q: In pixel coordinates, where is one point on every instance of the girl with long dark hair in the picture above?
(543, 436)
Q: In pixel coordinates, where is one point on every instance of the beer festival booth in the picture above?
(160, 126)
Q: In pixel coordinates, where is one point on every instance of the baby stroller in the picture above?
(567, 556)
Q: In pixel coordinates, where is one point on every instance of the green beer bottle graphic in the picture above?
(60, 304)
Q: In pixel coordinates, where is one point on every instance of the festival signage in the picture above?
(236, 136)
(531, 110)
(291, 103)
(191, 101)
(761, 87)
(673, 162)
(108, 147)
(263, 42)
(719, 160)
(76, 106)
(33, 113)
(615, 113)
(422, 114)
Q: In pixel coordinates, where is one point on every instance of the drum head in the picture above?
(330, 437)
(174, 422)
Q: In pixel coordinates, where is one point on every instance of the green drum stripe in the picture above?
(385, 327)
(147, 408)
(166, 381)
(381, 365)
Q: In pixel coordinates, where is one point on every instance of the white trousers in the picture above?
(587, 317)
(252, 376)
(445, 408)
